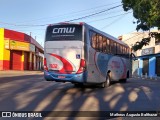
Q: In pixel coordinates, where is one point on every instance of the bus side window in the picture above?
(97, 43)
(121, 50)
(100, 43)
(111, 47)
(125, 51)
(94, 41)
(108, 46)
(104, 44)
(115, 48)
(118, 49)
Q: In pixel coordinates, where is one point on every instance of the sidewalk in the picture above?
(156, 79)
(16, 72)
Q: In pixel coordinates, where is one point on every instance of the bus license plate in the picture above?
(61, 77)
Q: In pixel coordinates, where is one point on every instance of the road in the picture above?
(28, 91)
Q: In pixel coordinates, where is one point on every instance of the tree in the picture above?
(147, 14)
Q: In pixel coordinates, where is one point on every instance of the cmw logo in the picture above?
(64, 30)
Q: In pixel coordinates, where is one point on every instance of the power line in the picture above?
(121, 15)
(28, 26)
(133, 37)
(93, 14)
(112, 22)
(109, 17)
(73, 12)
(84, 17)
(23, 25)
(95, 20)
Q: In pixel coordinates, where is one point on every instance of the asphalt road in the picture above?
(28, 91)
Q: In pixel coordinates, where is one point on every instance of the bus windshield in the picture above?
(64, 32)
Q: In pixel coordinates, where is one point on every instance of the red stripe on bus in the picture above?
(67, 67)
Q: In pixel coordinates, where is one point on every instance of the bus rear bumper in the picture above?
(52, 76)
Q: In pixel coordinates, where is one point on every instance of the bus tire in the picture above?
(78, 84)
(123, 80)
(107, 83)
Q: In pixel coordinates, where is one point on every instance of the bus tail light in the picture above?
(45, 64)
(82, 66)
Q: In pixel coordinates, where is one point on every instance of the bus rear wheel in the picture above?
(123, 80)
(78, 84)
(107, 83)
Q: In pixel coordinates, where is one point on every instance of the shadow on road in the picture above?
(33, 93)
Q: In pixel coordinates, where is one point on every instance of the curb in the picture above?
(18, 72)
(155, 79)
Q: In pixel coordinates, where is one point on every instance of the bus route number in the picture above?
(53, 65)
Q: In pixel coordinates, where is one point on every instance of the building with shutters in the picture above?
(148, 63)
(19, 51)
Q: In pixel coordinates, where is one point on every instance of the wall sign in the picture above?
(32, 48)
(6, 43)
(148, 51)
(16, 45)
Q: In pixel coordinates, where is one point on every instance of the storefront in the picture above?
(18, 52)
(149, 63)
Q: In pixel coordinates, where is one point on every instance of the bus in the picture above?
(81, 54)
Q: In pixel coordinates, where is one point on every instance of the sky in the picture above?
(33, 16)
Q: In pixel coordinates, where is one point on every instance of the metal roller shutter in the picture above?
(16, 60)
(145, 69)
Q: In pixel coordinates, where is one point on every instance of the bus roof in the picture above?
(94, 29)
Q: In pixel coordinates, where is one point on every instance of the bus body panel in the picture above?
(100, 63)
(62, 56)
(65, 56)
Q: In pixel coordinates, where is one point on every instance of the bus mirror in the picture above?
(133, 56)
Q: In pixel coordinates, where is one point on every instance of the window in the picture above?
(121, 49)
(94, 40)
(111, 46)
(100, 43)
(127, 50)
(104, 45)
(118, 48)
(108, 46)
(115, 48)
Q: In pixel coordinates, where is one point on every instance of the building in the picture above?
(19, 51)
(148, 63)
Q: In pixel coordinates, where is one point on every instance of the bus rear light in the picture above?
(82, 66)
(45, 64)
(83, 63)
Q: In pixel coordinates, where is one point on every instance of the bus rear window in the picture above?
(64, 32)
